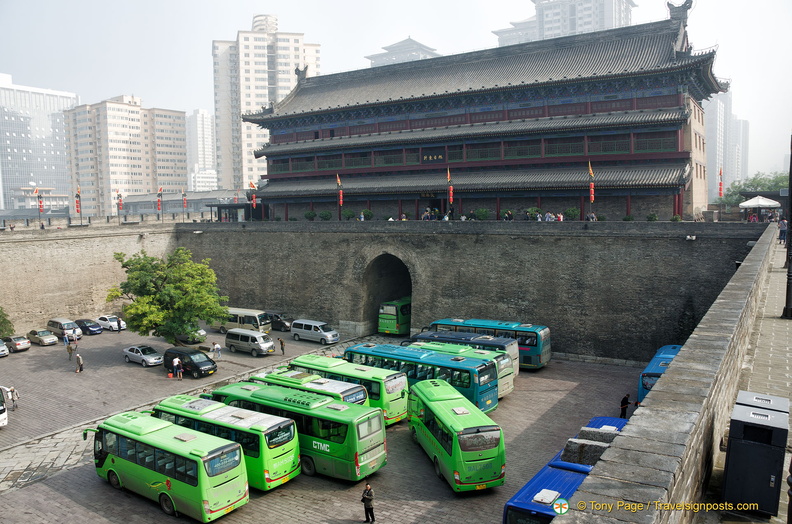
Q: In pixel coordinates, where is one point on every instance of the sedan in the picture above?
(110, 322)
(17, 343)
(42, 337)
(89, 327)
(192, 338)
(3, 350)
(144, 355)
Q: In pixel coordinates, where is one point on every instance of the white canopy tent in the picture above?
(759, 201)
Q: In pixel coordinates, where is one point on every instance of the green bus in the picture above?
(466, 447)
(394, 316)
(386, 389)
(269, 443)
(337, 439)
(186, 471)
(506, 369)
(306, 381)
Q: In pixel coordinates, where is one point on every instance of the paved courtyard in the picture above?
(47, 473)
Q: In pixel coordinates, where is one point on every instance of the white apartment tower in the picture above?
(201, 151)
(116, 147)
(33, 142)
(555, 18)
(253, 71)
(727, 143)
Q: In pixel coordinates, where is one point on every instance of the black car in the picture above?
(194, 362)
(88, 326)
(279, 320)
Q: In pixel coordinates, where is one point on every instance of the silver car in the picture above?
(42, 337)
(144, 355)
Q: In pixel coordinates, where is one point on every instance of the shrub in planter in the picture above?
(572, 213)
(367, 214)
(652, 217)
(348, 214)
(310, 215)
(602, 218)
(628, 218)
(481, 213)
(325, 215)
(676, 218)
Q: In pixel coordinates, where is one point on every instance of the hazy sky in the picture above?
(161, 50)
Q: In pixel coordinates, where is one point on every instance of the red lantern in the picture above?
(159, 204)
(340, 197)
(720, 189)
(41, 205)
(450, 194)
(77, 206)
(184, 202)
(120, 202)
(591, 191)
(254, 201)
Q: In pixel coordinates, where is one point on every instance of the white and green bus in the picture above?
(186, 471)
(506, 368)
(465, 445)
(337, 439)
(270, 444)
(306, 381)
(386, 389)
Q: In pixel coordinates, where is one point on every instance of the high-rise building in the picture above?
(201, 151)
(727, 143)
(556, 18)
(405, 51)
(33, 142)
(116, 147)
(252, 72)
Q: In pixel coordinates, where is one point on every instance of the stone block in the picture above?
(598, 434)
(582, 451)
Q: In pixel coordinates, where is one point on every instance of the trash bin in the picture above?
(754, 470)
(757, 400)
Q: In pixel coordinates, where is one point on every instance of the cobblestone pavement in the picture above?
(47, 473)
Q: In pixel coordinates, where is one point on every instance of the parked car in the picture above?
(17, 343)
(3, 352)
(143, 355)
(192, 338)
(88, 326)
(279, 320)
(315, 330)
(42, 337)
(63, 326)
(194, 362)
(110, 322)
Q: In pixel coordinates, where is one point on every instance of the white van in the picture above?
(254, 319)
(62, 326)
(315, 330)
(249, 341)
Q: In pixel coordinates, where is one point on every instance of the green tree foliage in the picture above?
(6, 326)
(168, 295)
(759, 182)
(325, 215)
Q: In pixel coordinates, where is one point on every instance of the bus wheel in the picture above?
(113, 479)
(414, 435)
(437, 469)
(308, 466)
(223, 330)
(167, 505)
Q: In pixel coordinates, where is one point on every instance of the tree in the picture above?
(6, 326)
(168, 295)
(759, 182)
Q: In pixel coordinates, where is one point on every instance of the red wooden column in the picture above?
(497, 208)
(629, 205)
(286, 211)
(582, 207)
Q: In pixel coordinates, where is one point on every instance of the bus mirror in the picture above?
(85, 436)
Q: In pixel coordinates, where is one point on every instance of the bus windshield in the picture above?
(504, 362)
(479, 439)
(487, 374)
(280, 435)
(649, 380)
(367, 428)
(222, 460)
(262, 319)
(395, 383)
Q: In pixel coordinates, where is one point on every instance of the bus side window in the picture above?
(249, 443)
(191, 473)
(126, 448)
(179, 420)
(164, 415)
(408, 368)
(443, 374)
(421, 372)
(373, 390)
(164, 460)
(145, 455)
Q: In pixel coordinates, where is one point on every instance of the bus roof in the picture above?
(293, 378)
(341, 366)
(670, 350)
(219, 412)
(244, 311)
(493, 324)
(457, 349)
(399, 301)
(296, 400)
(465, 336)
(559, 483)
(419, 355)
(163, 434)
(658, 364)
(450, 406)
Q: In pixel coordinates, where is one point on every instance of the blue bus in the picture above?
(552, 486)
(476, 379)
(474, 340)
(533, 340)
(655, 369)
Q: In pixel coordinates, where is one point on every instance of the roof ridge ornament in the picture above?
(680, 12)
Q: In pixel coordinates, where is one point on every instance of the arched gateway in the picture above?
(385, 278)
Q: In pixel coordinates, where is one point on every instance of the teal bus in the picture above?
(465, 446)
(475, 378)
(533, 340)
(394, 316)
(474, 340)
(387, 390)
(269, 443)
(337, 439)
(506, 370)
(186, 471)
(309, 381)
(655, 369)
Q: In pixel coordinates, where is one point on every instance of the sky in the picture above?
(161, 50)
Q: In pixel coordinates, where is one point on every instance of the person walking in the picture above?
(13, 396)
(783, 225)
(70, 350)
(625, 403)
(65, 338)
(118, 324)
(74, 338)
(368, 503)
(177, 368)
(216, 348)
(79, 363)
(282, 346)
